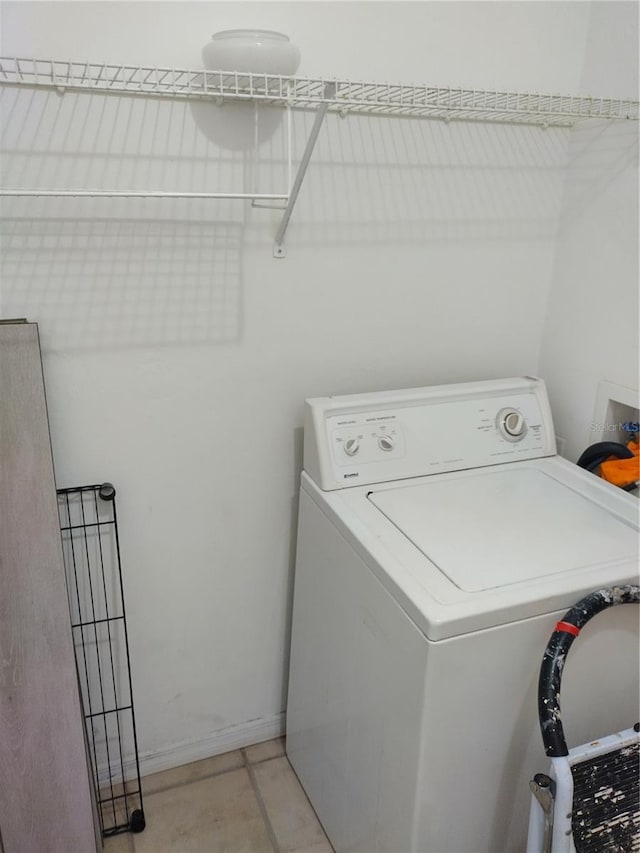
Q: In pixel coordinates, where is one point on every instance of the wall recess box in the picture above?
(616, 405)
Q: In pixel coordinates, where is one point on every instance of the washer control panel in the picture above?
(369, 438)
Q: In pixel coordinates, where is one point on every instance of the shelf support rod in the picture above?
(139, 194)
(278, 249)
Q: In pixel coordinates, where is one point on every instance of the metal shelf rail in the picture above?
(323, 94)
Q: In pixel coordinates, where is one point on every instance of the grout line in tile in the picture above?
(191, 781)
(263, 809)
(264, 760)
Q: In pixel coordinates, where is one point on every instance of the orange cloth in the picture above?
(622, 472)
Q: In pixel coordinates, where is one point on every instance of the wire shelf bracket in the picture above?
(325, 95)
(279, 250)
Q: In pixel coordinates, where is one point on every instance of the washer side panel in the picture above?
(355, 693)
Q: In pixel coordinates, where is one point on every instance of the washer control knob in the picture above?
(511, 424)
(351, 446)
(514, 423)
(386, 443)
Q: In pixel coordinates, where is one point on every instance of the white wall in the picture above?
(177, 351)
(591, 331)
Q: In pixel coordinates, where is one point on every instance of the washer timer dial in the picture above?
(511, 424)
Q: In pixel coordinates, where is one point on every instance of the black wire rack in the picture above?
(91, 547)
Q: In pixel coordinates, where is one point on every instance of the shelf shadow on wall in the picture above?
(599, 153)
(125, 272)
(113, 283)
(376, 180)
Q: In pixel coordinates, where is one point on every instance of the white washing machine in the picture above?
(440, 540)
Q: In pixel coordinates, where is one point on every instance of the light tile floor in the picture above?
(246, 801)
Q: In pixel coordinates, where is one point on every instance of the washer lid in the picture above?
(504, 527)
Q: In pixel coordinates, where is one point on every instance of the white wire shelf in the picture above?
(321, 94)
(344, 96)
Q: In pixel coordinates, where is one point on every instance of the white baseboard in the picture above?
(184, 752)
